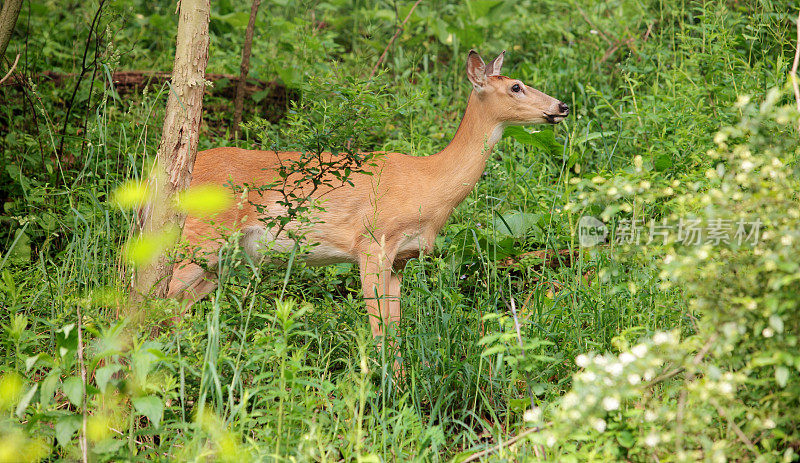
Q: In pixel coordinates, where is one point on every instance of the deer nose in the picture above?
(563, 108)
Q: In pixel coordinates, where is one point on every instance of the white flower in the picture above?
(599, 424)
(725, 387)
(730, 329)
(742, 100)
(615, 369)
(650, 415)
(570, 400)
(747, 166)
(633, 379)
(639, 350)
(786, 240)
(626, 358)
(651, 440)
(769, 424)
(612, 191)
(533, 415)
(551, 440)
(589, 377)
(637, 162)
(768, 332)
(661, 338)
(610, 403)
(582, 361)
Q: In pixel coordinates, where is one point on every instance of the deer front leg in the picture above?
(381, 288)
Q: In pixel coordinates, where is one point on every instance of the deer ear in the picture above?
(493, 68)
(476, 70)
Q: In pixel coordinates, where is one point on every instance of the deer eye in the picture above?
(515, 88)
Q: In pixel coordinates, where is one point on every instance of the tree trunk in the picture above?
(8, 19)
(178, 147)
(238, 101)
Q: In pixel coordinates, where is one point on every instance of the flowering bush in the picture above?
(728, 387)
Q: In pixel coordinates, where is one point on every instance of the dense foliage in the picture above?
(645, 350)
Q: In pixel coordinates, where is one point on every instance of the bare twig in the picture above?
(84, 68)
(793, 74)
(736, 429)
(13, 66)
(599, 31)
(391, 41)
(238, 101)
(481, 454)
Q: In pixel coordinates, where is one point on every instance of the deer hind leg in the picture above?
(190, 283)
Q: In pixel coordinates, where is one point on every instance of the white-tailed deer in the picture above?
(383, 219)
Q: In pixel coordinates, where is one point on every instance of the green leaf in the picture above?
(66, 427)
(20, 253)
(517, 224)
(49, 386)
(543, 140)
(25, 401)
(626, 439)
(776, 323)
(519, 405)
(483, 8)
(67, 340)
(493, 350)
(73, 388)
(662, 162)
(108, 445)
(31, 361)
(151, 407)
(782, 376)
(103, 375)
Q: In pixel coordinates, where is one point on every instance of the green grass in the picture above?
(248, 377)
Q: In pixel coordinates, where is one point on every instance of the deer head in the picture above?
(509, 101)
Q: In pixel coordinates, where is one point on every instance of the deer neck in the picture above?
(461, 164)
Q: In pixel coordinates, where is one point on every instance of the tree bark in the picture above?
(178, 147)
(8, 19)
(238, 102)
